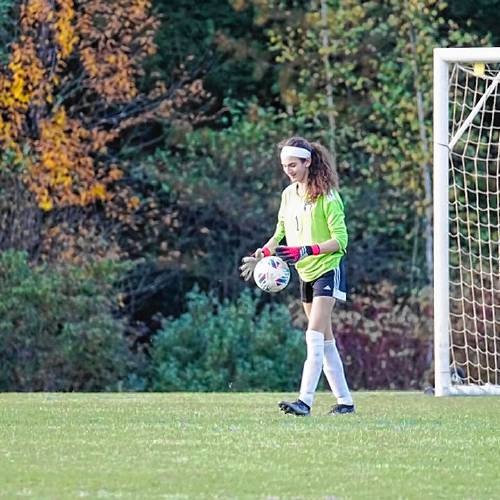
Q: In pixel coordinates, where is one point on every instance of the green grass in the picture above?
(398, 445)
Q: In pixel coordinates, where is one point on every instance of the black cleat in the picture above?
(341, 409)
(297, 408)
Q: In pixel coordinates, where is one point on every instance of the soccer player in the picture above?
(311, 218)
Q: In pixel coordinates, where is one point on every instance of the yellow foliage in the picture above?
(65, 36)
(98, 191)
(65, 167)
(61, 146)
(239, 5)
(134, 202)
(115, 174)
(45, 203)
(106, 56)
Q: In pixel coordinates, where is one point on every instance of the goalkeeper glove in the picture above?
(292, 255)
(248, 263)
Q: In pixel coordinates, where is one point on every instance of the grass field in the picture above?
(398, 445)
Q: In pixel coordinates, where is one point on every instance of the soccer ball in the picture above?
(271, 274)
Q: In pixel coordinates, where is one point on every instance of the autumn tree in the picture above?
(73, 95)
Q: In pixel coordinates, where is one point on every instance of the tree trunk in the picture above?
(329, 88)
(426, 169)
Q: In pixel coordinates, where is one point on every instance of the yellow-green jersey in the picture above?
(304, 222)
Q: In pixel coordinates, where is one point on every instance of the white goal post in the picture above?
(466, 185)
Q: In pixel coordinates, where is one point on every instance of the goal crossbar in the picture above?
(470, 55)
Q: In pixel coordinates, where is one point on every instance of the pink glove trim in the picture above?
(316, 249)
(266, 251)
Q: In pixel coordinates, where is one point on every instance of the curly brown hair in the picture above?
(323, 176)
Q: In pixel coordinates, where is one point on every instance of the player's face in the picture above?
(296, 169)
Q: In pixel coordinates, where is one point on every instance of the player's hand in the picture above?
(291, 255)
(248, 263)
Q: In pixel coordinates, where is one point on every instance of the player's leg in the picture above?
(334, 372)
(319, 314)
(332, 363)
(301, 407)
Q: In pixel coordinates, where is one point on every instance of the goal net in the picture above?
(467, 194)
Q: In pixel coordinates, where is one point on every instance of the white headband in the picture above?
(289, 151)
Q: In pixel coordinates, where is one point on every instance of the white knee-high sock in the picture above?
(334, 371)
(312, 366)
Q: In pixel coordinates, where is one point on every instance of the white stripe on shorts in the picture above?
(338, 294)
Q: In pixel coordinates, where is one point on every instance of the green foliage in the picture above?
(221, 191)
(315, 49)
(57, 330)
(349, 76)
(329, 61)
(479, 17)
(399, 137)
(220, 346)
(7, 27)
(361, 73)
(20, 218)
(213, 36)
(380, 232)
(400, 134)
(385, 339)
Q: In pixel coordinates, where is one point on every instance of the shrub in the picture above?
(386, 341)
(57, 330)
(220, 346)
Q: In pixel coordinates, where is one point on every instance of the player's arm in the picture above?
(292, 255)
(329, 246)
(270, 246)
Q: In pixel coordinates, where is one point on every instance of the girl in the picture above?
(311, 218)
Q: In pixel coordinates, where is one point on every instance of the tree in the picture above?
(70, 99)
(219, 35)
(401, 118)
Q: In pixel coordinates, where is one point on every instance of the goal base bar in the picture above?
(471, 390)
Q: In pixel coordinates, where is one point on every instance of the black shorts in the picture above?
(331, 284)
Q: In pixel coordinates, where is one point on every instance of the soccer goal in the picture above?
(466, 221)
